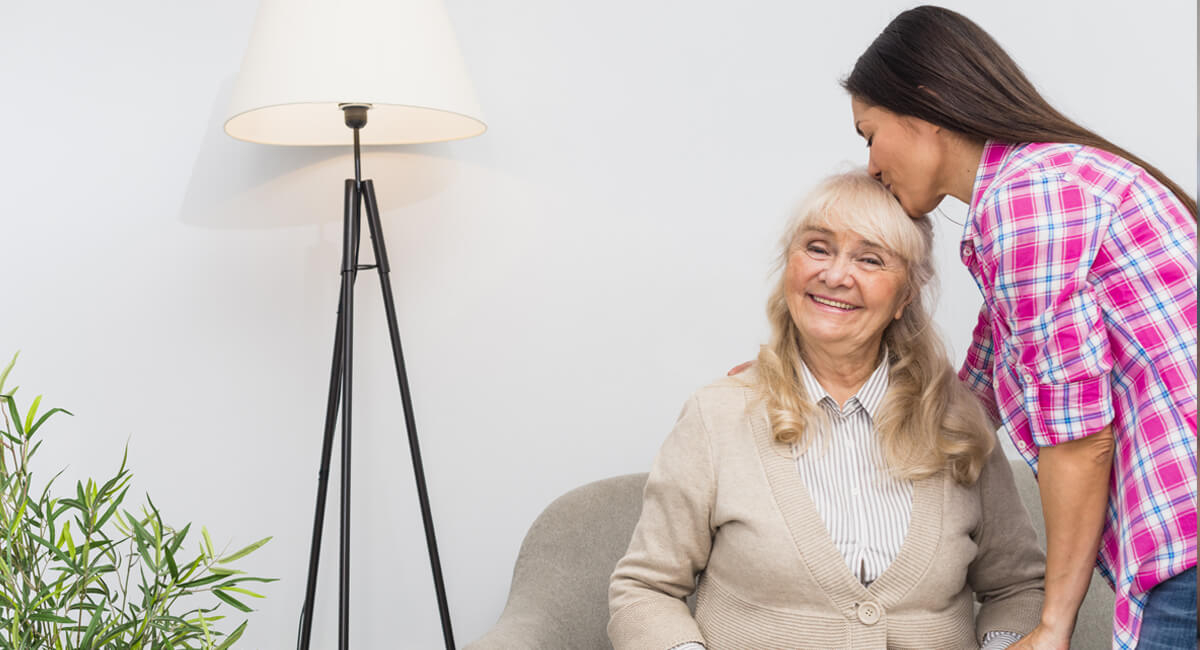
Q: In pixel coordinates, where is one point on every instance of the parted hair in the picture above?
(928, 420)
(937, 65)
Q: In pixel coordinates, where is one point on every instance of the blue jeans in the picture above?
(1169, 621)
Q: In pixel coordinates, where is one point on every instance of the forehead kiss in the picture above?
(869, 213)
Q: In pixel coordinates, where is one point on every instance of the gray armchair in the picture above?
(559, 594)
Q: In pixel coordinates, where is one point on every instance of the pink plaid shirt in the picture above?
(1087, 266)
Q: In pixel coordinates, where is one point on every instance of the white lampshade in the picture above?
(306, 57)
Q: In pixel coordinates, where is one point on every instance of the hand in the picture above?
(739, 368)
(1041, 638)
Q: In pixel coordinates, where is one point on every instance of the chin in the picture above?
(916, 211)
(908, 206)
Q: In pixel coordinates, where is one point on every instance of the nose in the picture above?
(874, 169)
(837, 272)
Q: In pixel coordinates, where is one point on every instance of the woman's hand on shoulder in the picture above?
(739, 368)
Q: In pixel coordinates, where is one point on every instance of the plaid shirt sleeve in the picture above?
(976, 371)
(1045, 231)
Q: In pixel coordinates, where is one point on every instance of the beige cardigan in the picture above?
(724, 501)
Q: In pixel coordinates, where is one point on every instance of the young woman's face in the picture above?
(906, 154)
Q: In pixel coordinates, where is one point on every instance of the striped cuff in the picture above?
(999, 640)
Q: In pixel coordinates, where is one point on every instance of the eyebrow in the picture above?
(865, 242)
(856, 129)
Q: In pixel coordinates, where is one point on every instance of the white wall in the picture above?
(563, 282)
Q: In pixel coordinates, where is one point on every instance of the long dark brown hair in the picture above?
(939, 66)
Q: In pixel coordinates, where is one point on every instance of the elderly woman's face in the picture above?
(843, 290)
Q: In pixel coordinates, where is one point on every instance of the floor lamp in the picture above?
(355, 72)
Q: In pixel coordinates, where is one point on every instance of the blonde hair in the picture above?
(928, 421)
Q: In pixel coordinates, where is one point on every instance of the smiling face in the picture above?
(843, 290)
(908, 155)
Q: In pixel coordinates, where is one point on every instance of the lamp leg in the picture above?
(339, 393)
(314, 558)
(349, 272)
(381, 261)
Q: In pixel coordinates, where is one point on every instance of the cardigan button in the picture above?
(868, 613)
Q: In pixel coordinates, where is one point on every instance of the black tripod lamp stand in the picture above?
(399, 69)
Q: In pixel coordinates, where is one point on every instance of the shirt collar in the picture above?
(995, 156)
(869, 396)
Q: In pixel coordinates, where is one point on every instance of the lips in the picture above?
(829, 302)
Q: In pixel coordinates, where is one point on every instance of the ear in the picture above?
(903, 304)
(926, 90)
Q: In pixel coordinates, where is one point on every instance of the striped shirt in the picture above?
(864, 508)
(1087, 266)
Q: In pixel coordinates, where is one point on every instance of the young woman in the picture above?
(1085, 349)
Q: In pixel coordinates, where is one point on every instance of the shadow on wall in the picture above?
(243, 185)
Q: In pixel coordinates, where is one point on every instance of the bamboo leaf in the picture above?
(16, 419)
(92, 628)
(115, 633)
(241, 579)
(37, 425)
(190, 568)
(231, 600)
(111, 509)
(200, 582)
(57, 552)
(208, 545)
(142, 540)
(139, 531)
(233, 636)
(66, 534)
(8, 369)
(33, 450)
(178, 537)
(245, 551)
(32, 412)
(72, 503)
(170, 557)
(241, 590)
(34, 506)
(204, 625)
(47, 616)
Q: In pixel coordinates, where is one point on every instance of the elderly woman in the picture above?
(846, 492)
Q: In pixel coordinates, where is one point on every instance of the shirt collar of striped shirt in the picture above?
(869, 396)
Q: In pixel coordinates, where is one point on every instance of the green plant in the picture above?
(82, 572)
